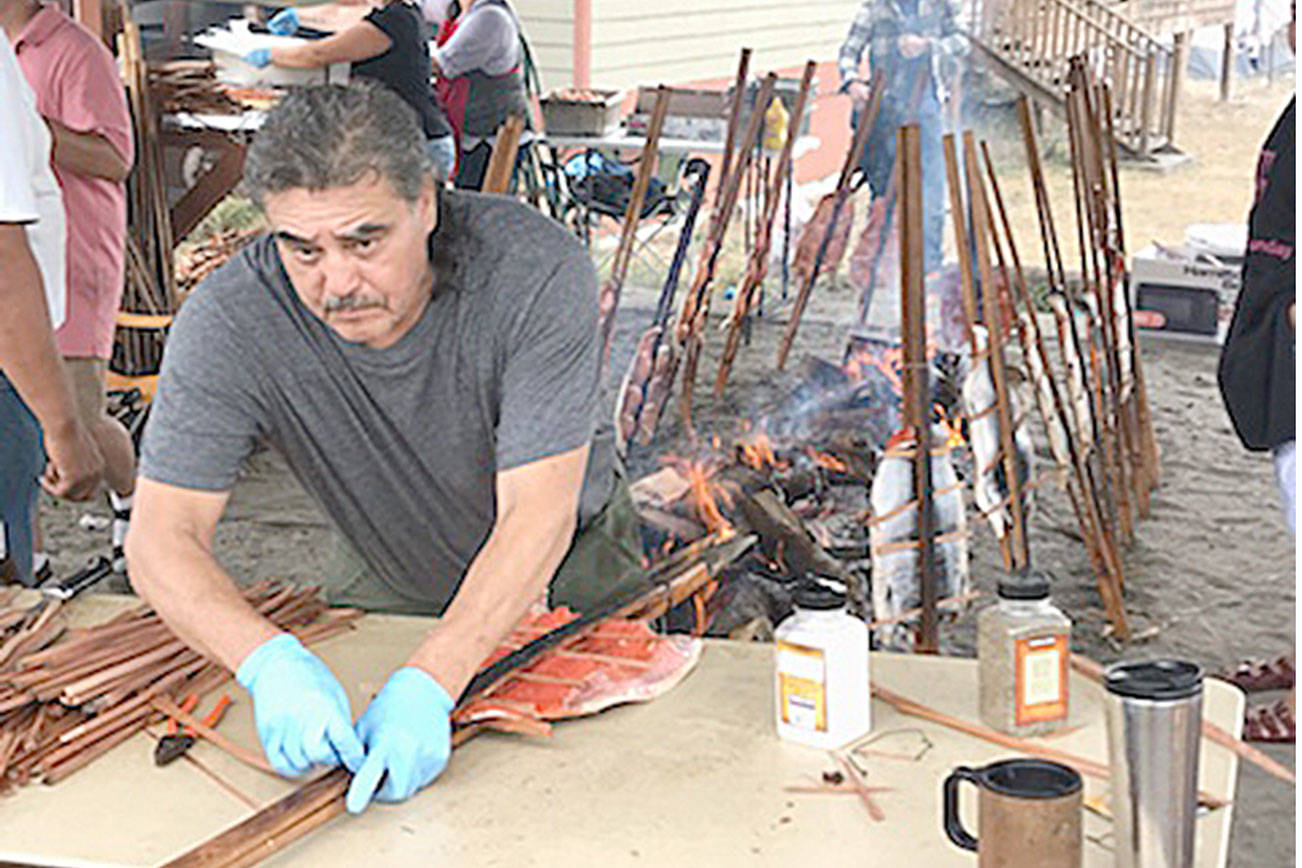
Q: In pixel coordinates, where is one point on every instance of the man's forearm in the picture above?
(87, 154)
(510, 572)
(28, 354)
(198, 601)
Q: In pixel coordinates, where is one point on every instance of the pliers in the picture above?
(174, 743)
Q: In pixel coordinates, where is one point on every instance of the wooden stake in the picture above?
(917, 407)
(632, 216)
(1106, 571)
(958, 212)
(866, 122)
(497, 176)
(989, 297)
(757, 267)
(693, 337)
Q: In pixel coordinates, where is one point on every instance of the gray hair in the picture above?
(330, 136)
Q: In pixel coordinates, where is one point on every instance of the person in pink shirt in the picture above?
(80, 95)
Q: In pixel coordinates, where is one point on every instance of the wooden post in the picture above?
(1227, 60)
(1179, 67)
(582, 47)
(1146, 110)
(913, 324)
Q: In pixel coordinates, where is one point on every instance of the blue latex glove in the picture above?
(407, 734)
(301, 711)
(284, 22)
(259, 57)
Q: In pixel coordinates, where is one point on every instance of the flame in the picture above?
(757, 453)
(888, 360)
(827, 460)
(953, 433)
(703, 496)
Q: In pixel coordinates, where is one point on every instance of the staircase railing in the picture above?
(1033, 39)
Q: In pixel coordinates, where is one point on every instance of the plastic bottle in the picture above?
(1023, 645)
(776, 121)
(821, 677)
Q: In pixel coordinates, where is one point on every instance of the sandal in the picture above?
(1254, 676)
(1270, 723)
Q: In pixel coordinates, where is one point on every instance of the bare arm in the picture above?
(30, 360)
(537, 509)
(362, 41)
(171, 565)
(87, 153)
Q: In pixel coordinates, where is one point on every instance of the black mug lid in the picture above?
(1155, 679)
(1026, 778)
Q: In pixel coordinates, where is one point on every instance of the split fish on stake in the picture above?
(893, 534)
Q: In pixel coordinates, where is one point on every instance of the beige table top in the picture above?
(693, 778)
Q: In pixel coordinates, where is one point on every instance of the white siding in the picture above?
(672, 41)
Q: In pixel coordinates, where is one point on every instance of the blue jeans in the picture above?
(878, 162)
(22, 458)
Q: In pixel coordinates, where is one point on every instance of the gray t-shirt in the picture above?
(399, 446)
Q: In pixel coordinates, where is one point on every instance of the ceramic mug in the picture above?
(1028, 814)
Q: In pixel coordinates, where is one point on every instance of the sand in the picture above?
(1211, 574)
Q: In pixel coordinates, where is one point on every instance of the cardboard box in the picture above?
(1177, 293)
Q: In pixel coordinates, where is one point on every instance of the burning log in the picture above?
(895, 532)
(757, 267)
(841, 192)
(610, 290)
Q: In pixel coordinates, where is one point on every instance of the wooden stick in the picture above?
(842, 192)
(917, 406)
(1110, 585)
(700, 289)
(628, 237)
(976, 730)
(860, 786)
(757, 267)
(1107, 572)
(958, 212)
(497, 176)
(998, 373)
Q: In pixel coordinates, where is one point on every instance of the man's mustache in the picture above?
(346, 303)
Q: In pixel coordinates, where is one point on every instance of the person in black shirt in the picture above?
(1257, 373)
(390, 45)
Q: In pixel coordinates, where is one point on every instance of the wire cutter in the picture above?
(175, 742)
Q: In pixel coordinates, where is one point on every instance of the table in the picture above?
(693, 778)
(622, 140)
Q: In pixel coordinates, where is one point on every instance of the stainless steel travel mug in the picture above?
(1154, 714)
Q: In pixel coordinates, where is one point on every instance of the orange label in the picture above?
(802, 683)
(1040, 688)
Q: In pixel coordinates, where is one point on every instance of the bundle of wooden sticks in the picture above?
(67, 696)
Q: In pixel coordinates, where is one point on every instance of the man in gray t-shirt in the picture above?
(427, 363)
